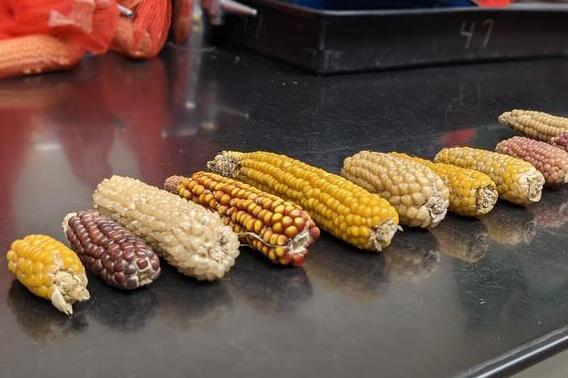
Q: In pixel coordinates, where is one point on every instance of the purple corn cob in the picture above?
(551, 161)
(110, 251)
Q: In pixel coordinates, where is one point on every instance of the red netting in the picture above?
(89, 24)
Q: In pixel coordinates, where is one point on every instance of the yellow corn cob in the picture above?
(536, 125)
(337, 205)
(472, 193)
(510, 226)
(517, 181)
(33, 54)
(419, 195)
(281, 230)
(463, 239)
(186, 235)
(50, 270)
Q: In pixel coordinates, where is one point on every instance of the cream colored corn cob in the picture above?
(472, 193)
(186, 235)
(50, 270)
(536, 125)
(419, 195)
(517, 181)
(551, 161)
(342, 208)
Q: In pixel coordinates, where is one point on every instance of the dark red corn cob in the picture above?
(110, 251)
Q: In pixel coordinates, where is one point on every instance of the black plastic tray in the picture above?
(327, 42)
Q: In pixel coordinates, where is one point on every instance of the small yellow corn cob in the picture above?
(463, 239)
(419, 195)
(472, 193)
(510, 226)
(33, 54)
(50, 270)
(551, 161)
(281, 230)
(186, 235)
(344, 209)
(517, 181)
(536, 125)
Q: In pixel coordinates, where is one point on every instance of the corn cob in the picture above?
(536, 125)
(413, 257)
(419, 195)
(463, 239)
(186, 235)
(344, 209)
(551, 161)
(510, 226)
(281, 230)
(472, 193)
(110, 251)
(50, 270)
(560, 141)
(517, 181)
(33, 54)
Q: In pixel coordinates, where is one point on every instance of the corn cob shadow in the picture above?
(38, 319)
(510, 225)
(185, 304)
(412, 256)
(269, 288)
(120, 310)
(361, 277)
(464, 239)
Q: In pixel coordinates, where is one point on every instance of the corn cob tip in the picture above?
(68, 289)
(381, 235)
(224, 165)
(171, 183)
(485, 200)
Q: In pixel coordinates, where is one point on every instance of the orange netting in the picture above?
(46, 35)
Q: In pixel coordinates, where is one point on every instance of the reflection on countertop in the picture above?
(413, 255)
(120, 310)
(39, 320)
(358, 275)
(268, 287)
(185, 303)
(553, 212)
(510, 224)
(466, 239)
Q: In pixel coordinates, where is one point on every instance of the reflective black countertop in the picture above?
(470, 298)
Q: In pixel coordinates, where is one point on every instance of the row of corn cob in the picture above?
(135, 219)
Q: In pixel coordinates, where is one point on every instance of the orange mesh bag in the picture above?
(46, 35)
(143, 35)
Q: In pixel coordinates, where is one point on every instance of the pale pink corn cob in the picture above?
(551, 161)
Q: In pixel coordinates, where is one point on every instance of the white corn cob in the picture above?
(186, 235)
